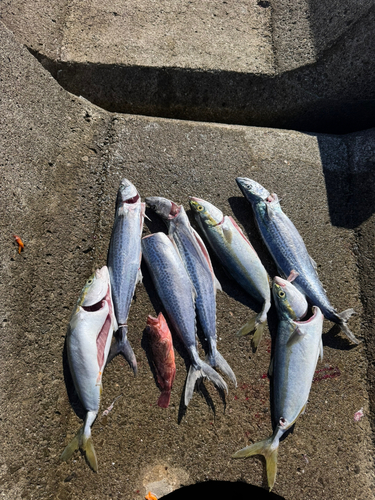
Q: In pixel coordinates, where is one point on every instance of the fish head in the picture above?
(296, 299)
(165, 208)
(95, 289)
(127, 193)
(252, 190)
(205, 213)
(158, 327)
(289, 300)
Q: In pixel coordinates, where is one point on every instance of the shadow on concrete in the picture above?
(222, 490)
(333, 95)
(350, 185)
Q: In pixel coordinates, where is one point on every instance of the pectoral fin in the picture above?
(296, 336)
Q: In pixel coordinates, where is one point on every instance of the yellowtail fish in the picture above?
(177, 294)
(88, 341)
(237, 255)
(124, 264)
(289, 251)
(297, 348)
(197, 262)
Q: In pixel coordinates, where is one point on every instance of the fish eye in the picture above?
(281, 294)
(200, 208)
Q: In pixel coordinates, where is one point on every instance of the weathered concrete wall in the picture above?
(306, 65)
(61, 161)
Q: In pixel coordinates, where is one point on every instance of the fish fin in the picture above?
(228, 235)
(194, 374)
(221, 364)
(296, 336)
(206, 255)
(253, 325)
(217, 284)
(313, 262)
(268, 448)
(292, 275)
(82, 440)
(139, 276)
(88, 448)
(72, 446)
(344, 317)
(302, 412)
(164, 399)
(270, 368)
(321, 350)
(122, 346)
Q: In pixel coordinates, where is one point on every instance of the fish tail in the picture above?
(268, 448)
(122, 346)
(200, 371)
(164, 399)
(87, 447)
(255, 325)
(72, 446)
(344, 318)
(82, 440)
(221, 364)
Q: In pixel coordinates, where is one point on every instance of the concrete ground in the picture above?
(61, 160)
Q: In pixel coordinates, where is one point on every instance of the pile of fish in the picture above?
(182, 273)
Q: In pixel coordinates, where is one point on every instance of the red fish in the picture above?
(163, 356)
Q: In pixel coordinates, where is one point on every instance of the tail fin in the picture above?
(344, 318)
(268, 448)
(221, 364)
(88, 448)
(72, 446)
(122, 346)
(253, 324)
(203, 370)
(82, 440)
(164, 399)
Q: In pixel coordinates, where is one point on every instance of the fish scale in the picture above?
(296, 352)
(177, 294)
(198, 265)
(239, 258)
(124, 260)
(288, 250)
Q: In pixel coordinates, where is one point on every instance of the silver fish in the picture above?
(289, 251)
(124, 262)
(196, 259)
(238, 256)
(88, 341)
(177, 294)
(296, 299)
(297, 348)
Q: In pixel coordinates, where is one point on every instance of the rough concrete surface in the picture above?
(61, 161)
(301, 64)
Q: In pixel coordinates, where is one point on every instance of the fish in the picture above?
(197, 262)
(288, 250)
(297, 348)
(177, 294)
(296, 299)
(238, 257)
(124, 264)
(88, 342)
(162, 355)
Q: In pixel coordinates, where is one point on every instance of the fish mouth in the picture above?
(316, 311)
(94, 307)
(132, 200)
(175, 210)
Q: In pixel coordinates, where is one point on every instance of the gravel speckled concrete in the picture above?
(61, 162)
